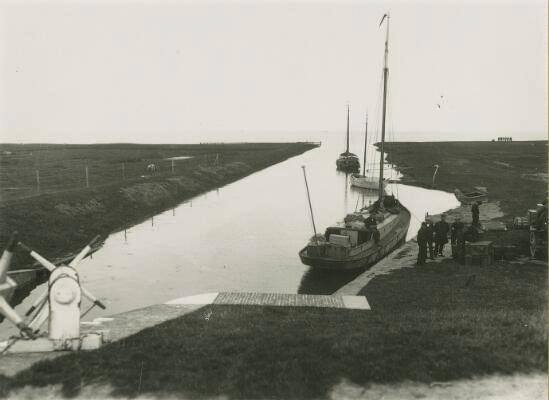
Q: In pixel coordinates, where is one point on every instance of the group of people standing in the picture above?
(434, 236)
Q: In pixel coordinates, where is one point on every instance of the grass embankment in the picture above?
(59, 223)
(515, 173)
(435, 323)
(427, 324)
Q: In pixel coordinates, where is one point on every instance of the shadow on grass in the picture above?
(424, 327)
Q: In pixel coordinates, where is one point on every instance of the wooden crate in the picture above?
(481, 252)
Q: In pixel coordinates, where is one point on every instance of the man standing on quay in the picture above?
(455, 230)
(476, 213)
(430, 237)
(441, 234)
(422, 244)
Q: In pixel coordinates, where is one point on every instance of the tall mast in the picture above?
(385, 73)
(347, 129)
(365, 143)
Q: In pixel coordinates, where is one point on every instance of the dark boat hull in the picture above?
(348, 162)
(347, 166)
(387, 244)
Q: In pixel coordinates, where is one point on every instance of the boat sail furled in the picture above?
(348, 161)
(362, 180)
(364, 237)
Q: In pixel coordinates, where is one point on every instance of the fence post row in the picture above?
(39, 178)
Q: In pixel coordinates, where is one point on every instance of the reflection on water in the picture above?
(243, 237)
(318, 281)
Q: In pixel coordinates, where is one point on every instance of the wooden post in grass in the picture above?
(37, 181)
(123, 171)
(435, 174)
(87, 178)
(173, 166)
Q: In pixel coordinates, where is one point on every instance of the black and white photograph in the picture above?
(274, 199)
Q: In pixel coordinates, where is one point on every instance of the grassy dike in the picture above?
(442, 330)
(57, 224)
(515, 173)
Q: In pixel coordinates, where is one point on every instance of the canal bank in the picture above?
(404, 346)
(243, 237)
(58, 224)
(431, 331)
(406, 256)
(515, 175)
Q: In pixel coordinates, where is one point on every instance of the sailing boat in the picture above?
(363, 181)
(348, 161)
(364, 237)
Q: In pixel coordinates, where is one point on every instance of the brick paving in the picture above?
(274, 299)
(279, 299)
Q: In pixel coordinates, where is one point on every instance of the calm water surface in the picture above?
(243, 237)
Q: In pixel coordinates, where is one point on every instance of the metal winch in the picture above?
(59, 304)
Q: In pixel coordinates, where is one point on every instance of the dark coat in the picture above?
(475, 210)
(430, 232)
(441, 231)
(422, 237)
(455, 228)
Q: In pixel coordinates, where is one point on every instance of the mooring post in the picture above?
(38, 181)
(435, 174)
(87, 178)
(123, 171)
(173, 166)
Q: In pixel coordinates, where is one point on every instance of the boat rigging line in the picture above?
(309, 199)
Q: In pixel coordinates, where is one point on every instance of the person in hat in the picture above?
(441, 234)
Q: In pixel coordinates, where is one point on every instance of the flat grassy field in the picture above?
(427, 324)
(515, 173)
(32, 169)
(65, 214)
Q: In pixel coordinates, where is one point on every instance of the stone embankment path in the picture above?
(406, 256)
(403, 257)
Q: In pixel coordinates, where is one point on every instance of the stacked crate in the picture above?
(481, 252)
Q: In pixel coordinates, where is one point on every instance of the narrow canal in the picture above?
(242, 237)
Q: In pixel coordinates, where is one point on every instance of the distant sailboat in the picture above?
(363, 181)
(348, 161)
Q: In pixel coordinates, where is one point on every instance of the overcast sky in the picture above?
(174, 71)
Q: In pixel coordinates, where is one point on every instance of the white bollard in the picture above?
(64, 303)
